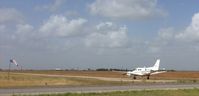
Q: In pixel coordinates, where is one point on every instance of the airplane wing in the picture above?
(158, 72)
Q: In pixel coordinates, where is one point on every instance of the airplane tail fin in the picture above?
(156, 65)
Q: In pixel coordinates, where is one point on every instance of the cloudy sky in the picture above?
(48, 34)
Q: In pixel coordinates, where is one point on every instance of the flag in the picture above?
(13, 61)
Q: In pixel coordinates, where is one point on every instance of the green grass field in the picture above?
(180, 92)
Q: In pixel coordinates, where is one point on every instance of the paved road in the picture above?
(40, 90)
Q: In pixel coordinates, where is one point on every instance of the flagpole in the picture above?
(9, 71)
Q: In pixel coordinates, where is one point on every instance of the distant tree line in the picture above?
(89, 69)
(111, 69)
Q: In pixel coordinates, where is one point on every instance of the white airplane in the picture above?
(145, 71)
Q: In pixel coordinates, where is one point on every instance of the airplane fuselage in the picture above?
(145, 71)
(140, 72)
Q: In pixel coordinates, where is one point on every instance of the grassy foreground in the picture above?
(180, 92)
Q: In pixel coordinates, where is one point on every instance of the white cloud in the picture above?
(166, 34)
(170, 38)
(107, 37)
(55, 6)
(52, 7)
(24, 32)
(126, 9)
(24, 28)
(62, 27)
(10, 15)
(104, 25)
(192, 31)
(164, 39)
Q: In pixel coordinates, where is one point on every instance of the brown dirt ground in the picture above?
(178, 75)
(117, 74)
(112, 74)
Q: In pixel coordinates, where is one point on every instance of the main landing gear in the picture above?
(148, 77)
(134, 77)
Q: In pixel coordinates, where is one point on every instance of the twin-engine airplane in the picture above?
(145, 71)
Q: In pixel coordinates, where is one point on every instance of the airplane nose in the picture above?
(128, 74)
